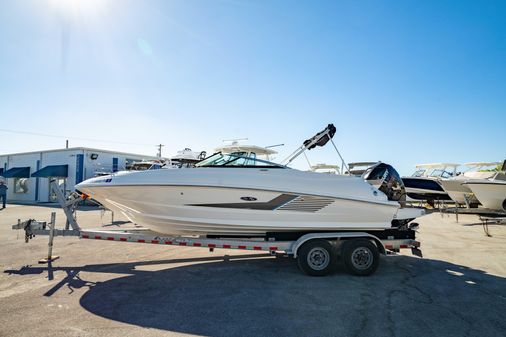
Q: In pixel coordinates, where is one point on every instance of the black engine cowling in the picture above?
(386, 179)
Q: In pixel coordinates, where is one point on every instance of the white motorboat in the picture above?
(424, 184)
(491, 192)
(229, 194)
(459, 192)
(185, 158)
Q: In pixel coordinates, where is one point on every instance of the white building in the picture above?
(28, 173)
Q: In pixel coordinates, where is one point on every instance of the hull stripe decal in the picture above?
(268, 206)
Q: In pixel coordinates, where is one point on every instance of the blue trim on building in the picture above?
(79, 168)
(55, 171)
(37, 183)
(17, 172)
(115, 164)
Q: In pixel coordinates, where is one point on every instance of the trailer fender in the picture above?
(338, 235)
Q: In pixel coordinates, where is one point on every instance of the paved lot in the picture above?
(122, 289)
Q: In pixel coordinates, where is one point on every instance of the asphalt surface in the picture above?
(102, 288)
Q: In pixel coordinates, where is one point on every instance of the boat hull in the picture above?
(458, 192)
(244, 201)
(490, 194)
(420, 188)
(194, 210)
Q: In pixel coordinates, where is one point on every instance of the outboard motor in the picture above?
(386, 179)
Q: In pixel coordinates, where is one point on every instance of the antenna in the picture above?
(268, 147)
(159, 154)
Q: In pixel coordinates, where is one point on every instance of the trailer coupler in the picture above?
(29, 226)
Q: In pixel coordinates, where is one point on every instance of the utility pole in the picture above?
(159, 155)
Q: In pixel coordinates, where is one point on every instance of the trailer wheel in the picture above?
(317, 257)
(361, 257)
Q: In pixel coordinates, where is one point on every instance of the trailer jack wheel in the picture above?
(317, 257)
(361, 257)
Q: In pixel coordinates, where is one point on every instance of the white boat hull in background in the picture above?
(457, 191)
(491, 194)
(456, 188)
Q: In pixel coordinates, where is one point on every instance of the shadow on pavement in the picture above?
(252, 295)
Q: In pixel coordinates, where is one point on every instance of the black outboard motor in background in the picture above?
(386, 179)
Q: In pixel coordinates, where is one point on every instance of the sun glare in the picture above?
(78, 7)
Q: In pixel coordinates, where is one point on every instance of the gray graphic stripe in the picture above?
(268, 206)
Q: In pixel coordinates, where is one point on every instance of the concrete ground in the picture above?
(111, 289)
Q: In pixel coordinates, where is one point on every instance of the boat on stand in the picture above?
(461, 193)
(491, 192)
(424, 184)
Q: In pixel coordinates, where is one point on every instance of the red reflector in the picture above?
(257, 248)
(154, 241)
(182, 243)
(98, 237)
(168, 242)
(196, 244)
(211, 245)
(85, 236)
(404, 246)
(226, 246)
(389, 246)
(241, 247)
(273, 248)
(122, 239)
(110, 238)
(141, 241)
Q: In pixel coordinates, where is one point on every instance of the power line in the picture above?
(71, 137)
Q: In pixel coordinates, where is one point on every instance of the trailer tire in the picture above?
(361, 257)
(317, 257)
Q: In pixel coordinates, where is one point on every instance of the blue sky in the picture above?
(404, 82)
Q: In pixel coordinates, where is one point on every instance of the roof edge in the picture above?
(79, 148)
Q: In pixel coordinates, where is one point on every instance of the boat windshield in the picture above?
(436, 173)
(419, 173)
(235, 160)
(440, 173)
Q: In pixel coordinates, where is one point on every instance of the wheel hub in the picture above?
(362, 258)
(318, 258)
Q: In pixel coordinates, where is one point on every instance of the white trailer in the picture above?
(317, 253)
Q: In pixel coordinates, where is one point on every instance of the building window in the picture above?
(20, 185)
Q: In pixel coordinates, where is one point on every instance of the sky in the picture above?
(404, 82)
